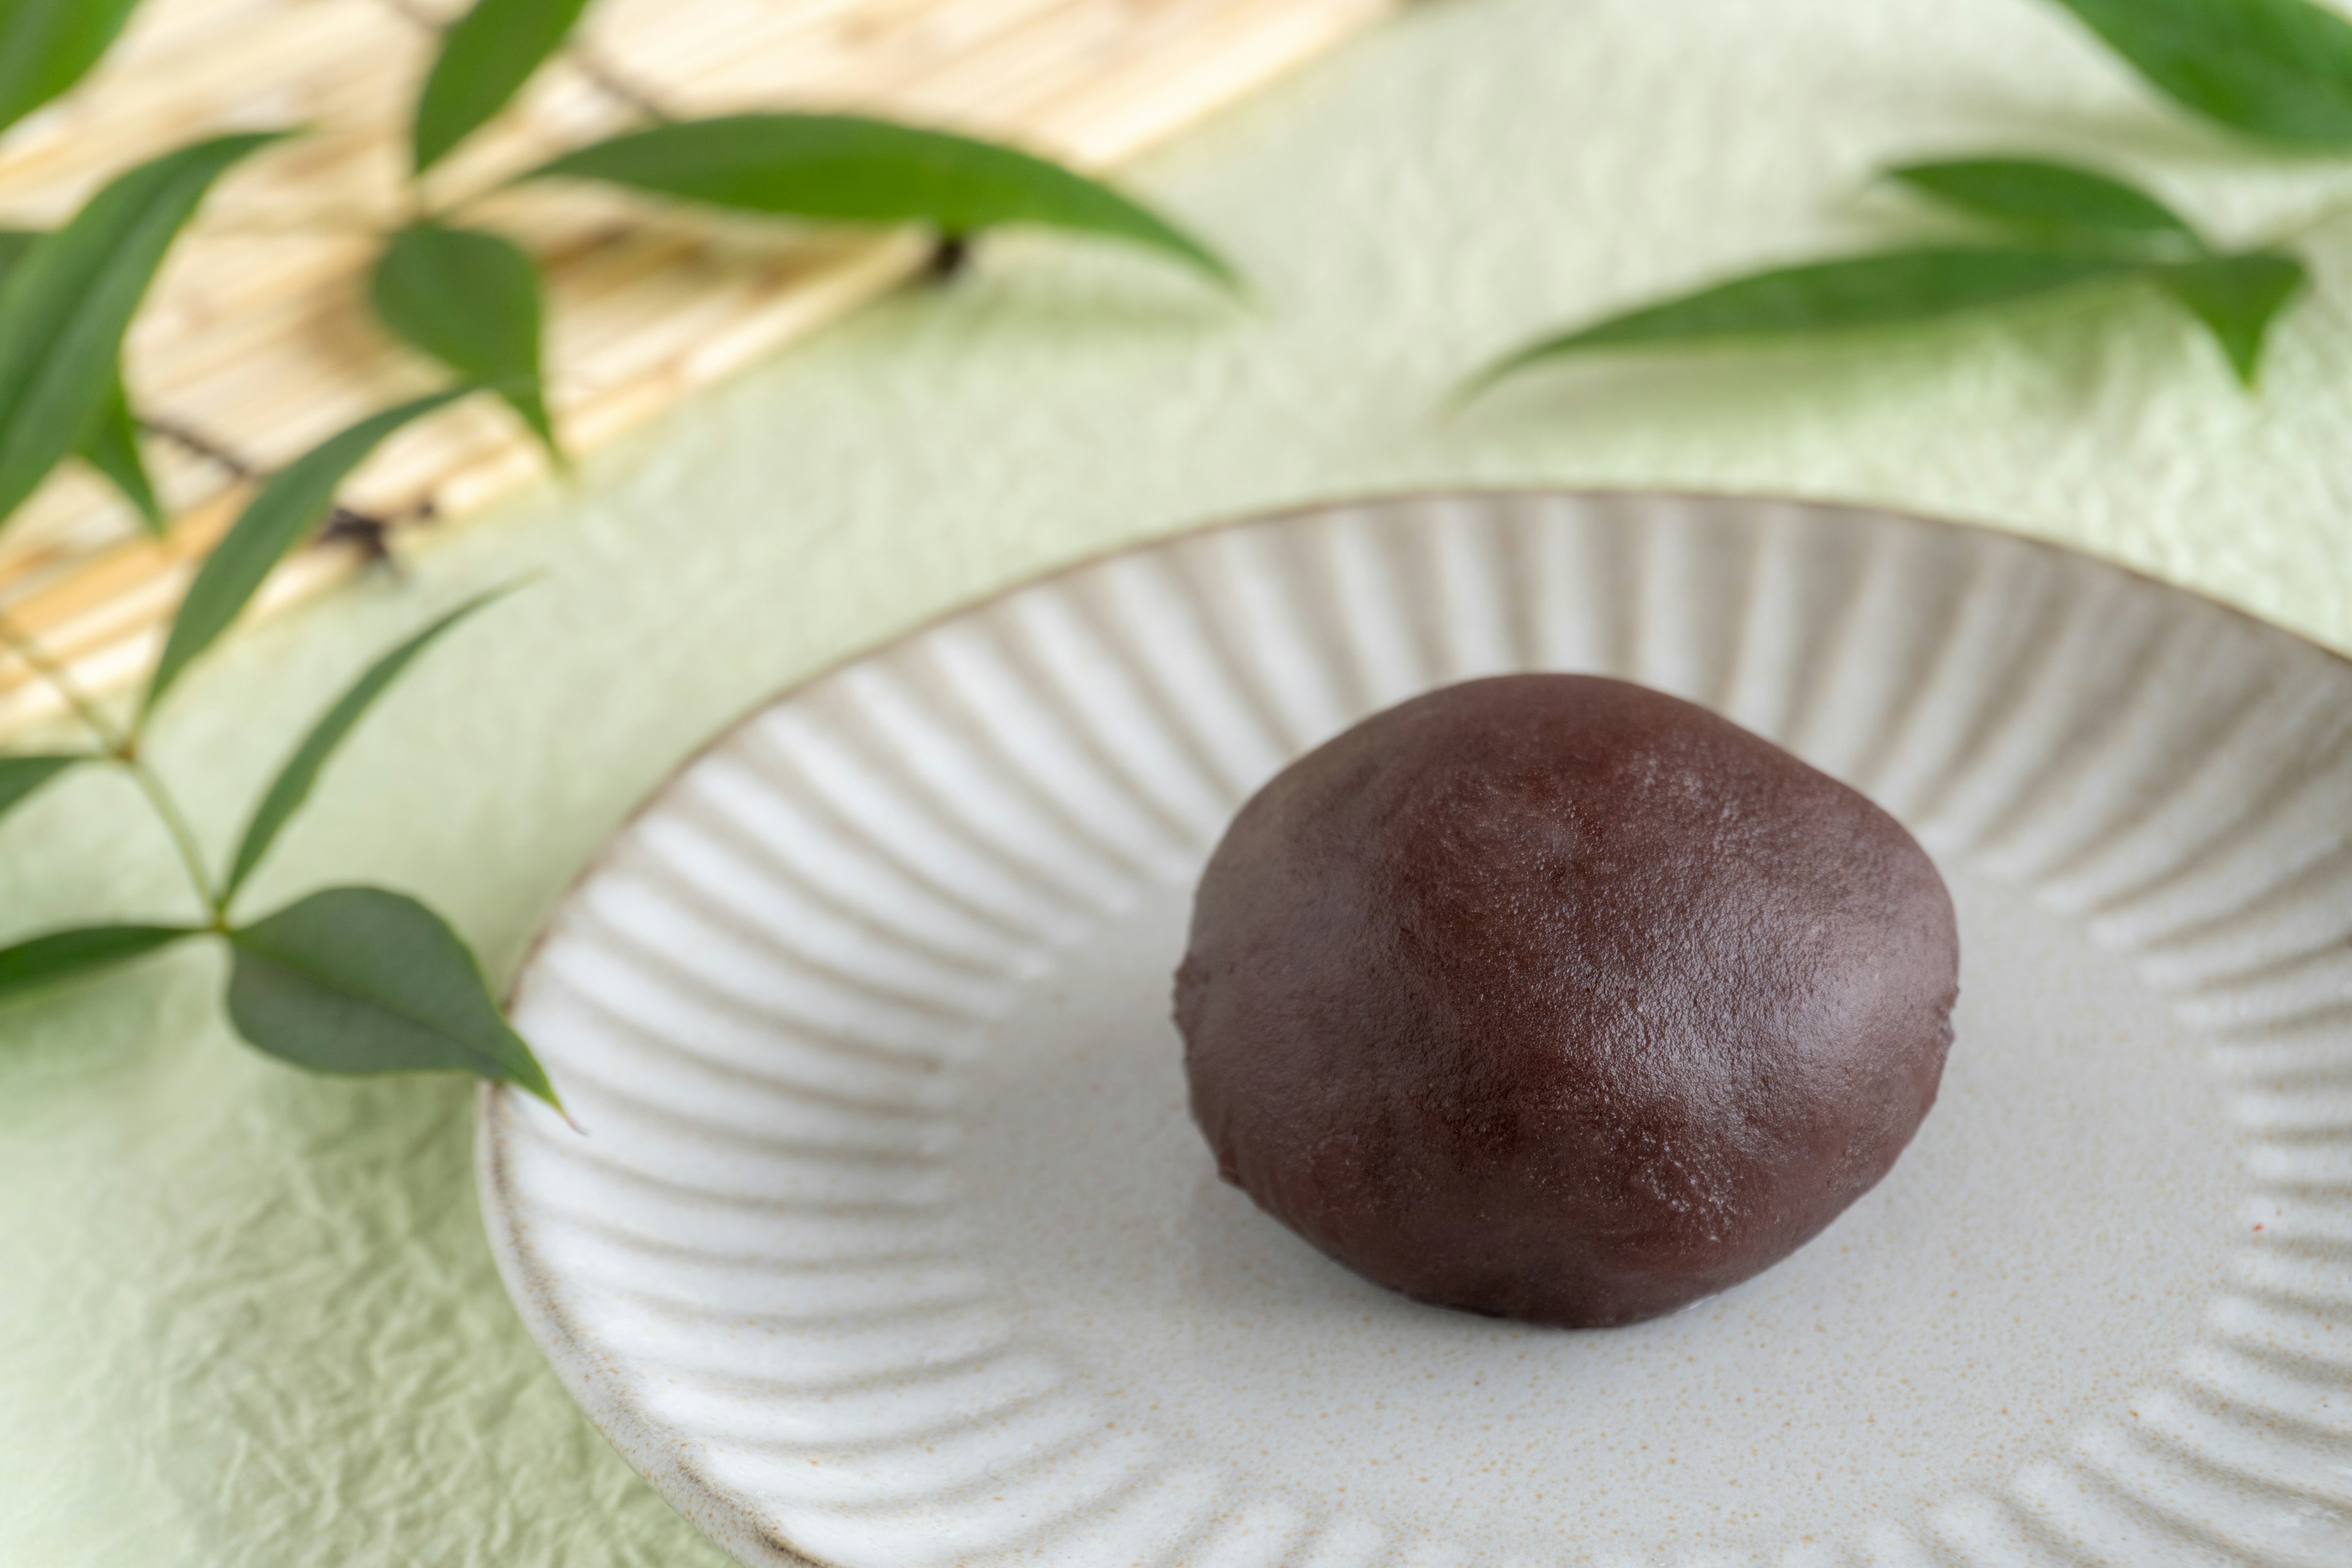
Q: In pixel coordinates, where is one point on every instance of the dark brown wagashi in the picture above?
(1554, 997)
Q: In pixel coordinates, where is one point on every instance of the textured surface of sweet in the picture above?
(1553, 997)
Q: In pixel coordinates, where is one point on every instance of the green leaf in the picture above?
(870, 171)
(20, 776)
(294, 781)
(361, 980)
(112, 447)
(287, 509)
(46, 46)
(1893, 289)
(62, 954)
(2054, 202)
(64, 306)
(2274, 68)
(2237, 298)
(472, 301)
(111, 444)
(486, 57)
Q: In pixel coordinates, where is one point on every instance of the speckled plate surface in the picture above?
(891, 1244)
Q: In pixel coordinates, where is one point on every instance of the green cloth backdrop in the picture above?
(247, 1318)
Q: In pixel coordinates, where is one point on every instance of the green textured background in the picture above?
(248, 1317)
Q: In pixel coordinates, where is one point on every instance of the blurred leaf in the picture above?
(2237, 298)
(472, 301)
(111, 443)
(486, 57)
(294, 779)
(871, 171)
(1893, 289)
(20, 776)
(64, 306)
(288, 508)
(46, 46)
(2274, 68)
(363, 981)
(112, 447)
(62, 954)
(2054, 202)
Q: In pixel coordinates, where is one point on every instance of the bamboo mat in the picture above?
(256, 342)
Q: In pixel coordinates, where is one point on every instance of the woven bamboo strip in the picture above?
(255, 338)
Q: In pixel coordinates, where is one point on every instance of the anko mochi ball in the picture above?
(1557, 998)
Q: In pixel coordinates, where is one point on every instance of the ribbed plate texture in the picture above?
(890, 1242)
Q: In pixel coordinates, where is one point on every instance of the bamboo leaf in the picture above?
(1896, 289)
(20, 776)
(2237, 298)
(855, 170)
(363, 981)
(63, 954)
(46, 46)
(111, 444)
(486, 57)
(294, 781)
(64, 306)
(286, 512)
(472, 301)
(112, 447)
(2054, 203)
(2275, 68)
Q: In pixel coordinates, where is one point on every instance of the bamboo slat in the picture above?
(256, 341)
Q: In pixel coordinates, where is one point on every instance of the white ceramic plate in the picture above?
(891, 1243)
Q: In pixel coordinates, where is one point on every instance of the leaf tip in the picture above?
(534, 1083)
(1474, 388)
(1463, 395)
(1228, 277)
(533, 412)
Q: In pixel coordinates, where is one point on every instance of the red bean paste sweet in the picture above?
(1557, 998)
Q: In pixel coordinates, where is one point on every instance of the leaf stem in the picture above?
(184, 837)
(122, 747)
(190, 440)
(951, 255)
(592, 65)
(93, 717)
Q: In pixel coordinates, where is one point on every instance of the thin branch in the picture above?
(184, 837)
(26, 649)
(592, 65)
(370, 534)
(950, 256)
(344, 525)
(122, 748)
(189, 439)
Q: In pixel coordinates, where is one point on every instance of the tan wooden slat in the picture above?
(257, 337)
